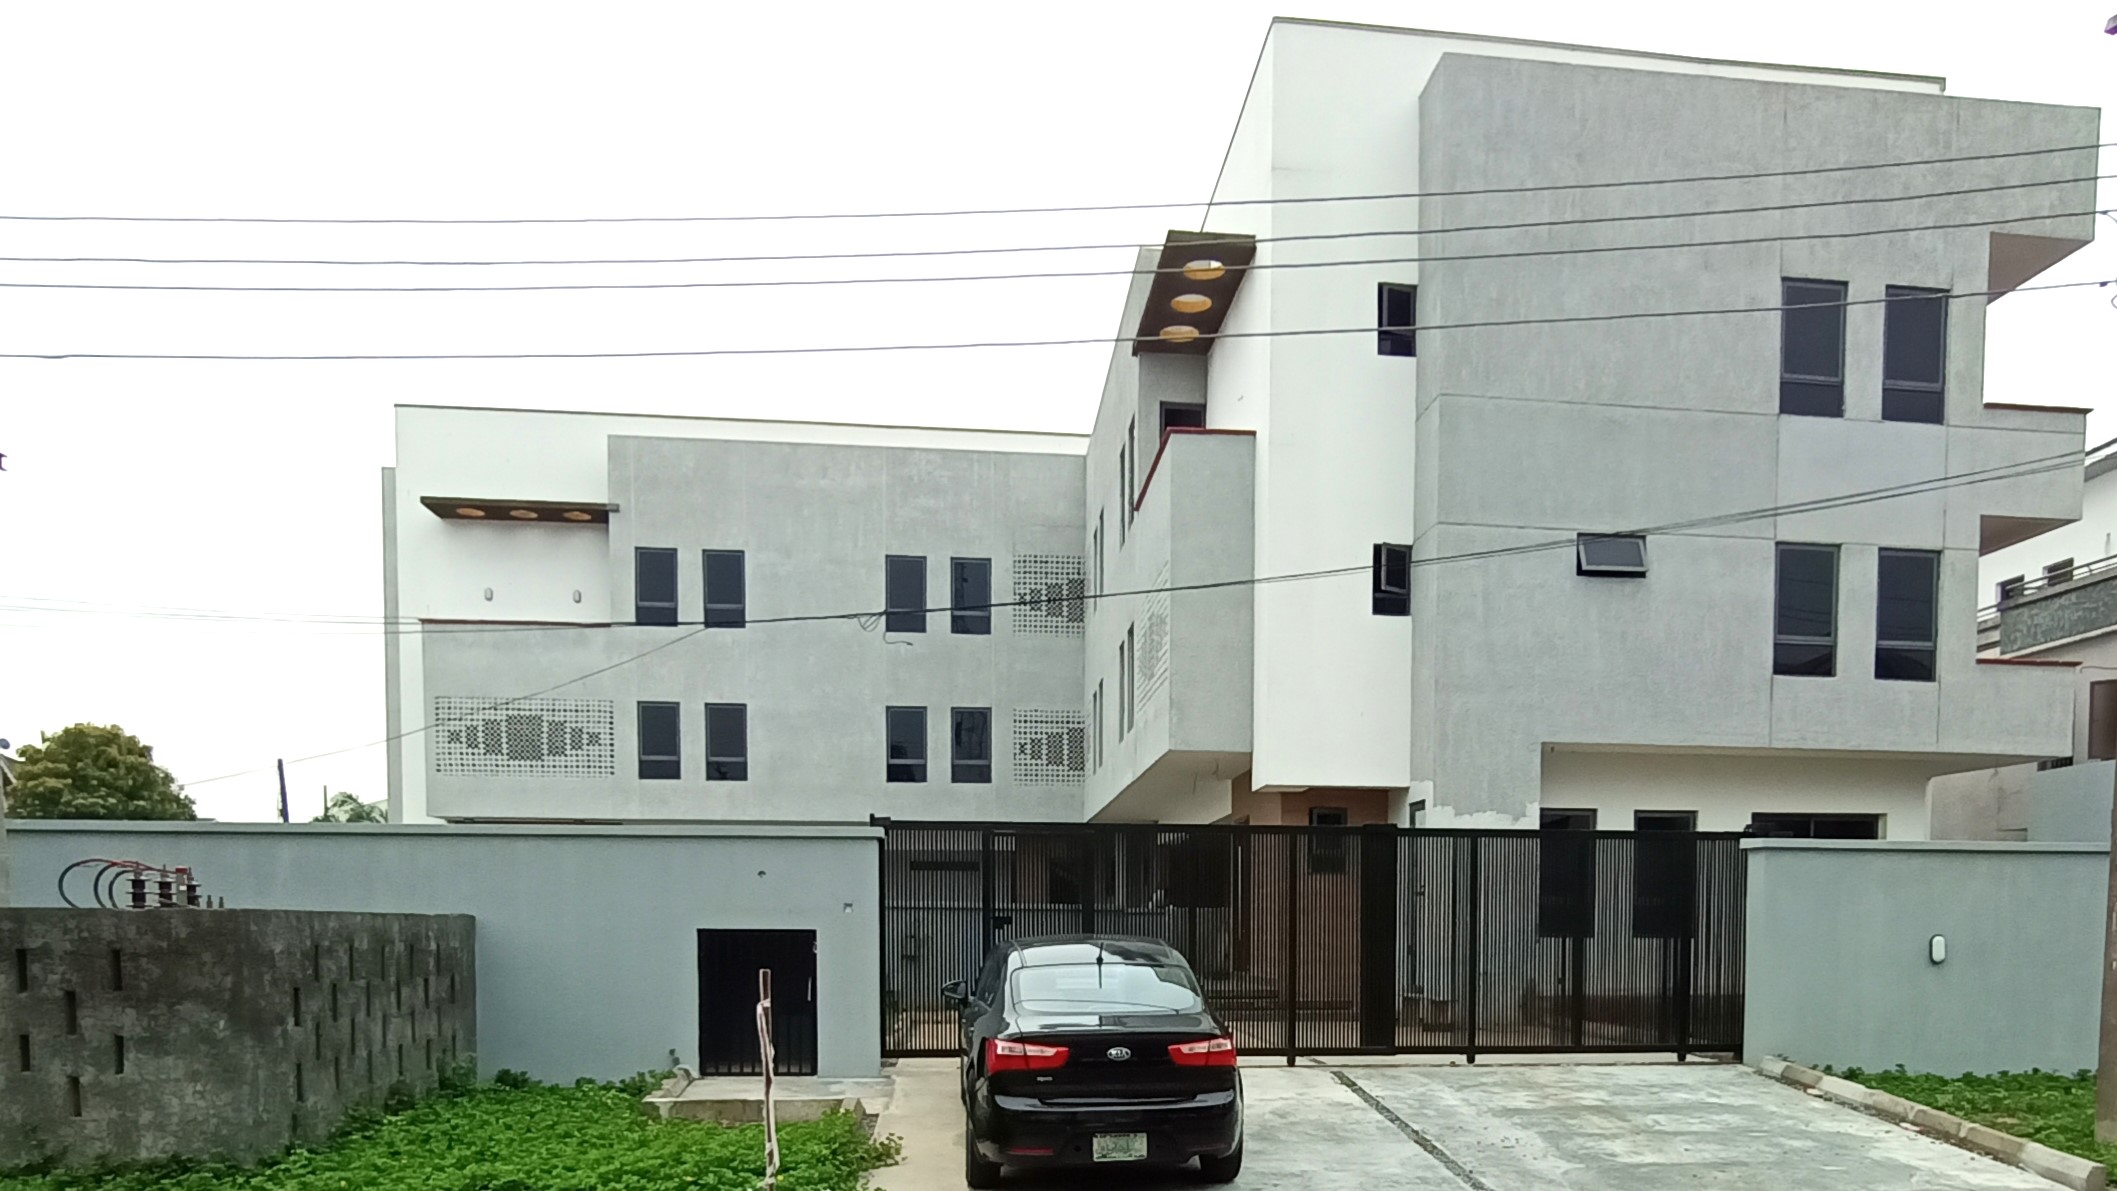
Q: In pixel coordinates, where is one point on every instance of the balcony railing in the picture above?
(2076, 601)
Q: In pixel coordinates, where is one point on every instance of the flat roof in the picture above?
(618, 413)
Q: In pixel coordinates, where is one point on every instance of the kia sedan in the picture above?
(1094, 1051)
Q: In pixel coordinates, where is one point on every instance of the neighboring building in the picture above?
(538, 547)
(1805, 673)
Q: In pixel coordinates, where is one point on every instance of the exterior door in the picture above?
(728, 963)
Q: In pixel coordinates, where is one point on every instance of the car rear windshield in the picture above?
(1106, 988)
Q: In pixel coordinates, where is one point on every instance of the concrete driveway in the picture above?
(1507, 1127)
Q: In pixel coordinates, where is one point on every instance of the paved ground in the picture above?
(1516, 1127)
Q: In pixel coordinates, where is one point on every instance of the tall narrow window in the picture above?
(1397, 319)
(1124, 503)
(727, 742)
(1095, 713)
(970, 596)
(653, 585)
(1914, 355)
(661, 735)
(1131, 683)
(970, 745)
(1131, 468)
(907, 744)
(1101, 584)
(1391, 580)
(905, 579)
(1907, 585)
(1812, 348)
(1182, 415)
(726, 604)
(1805, 640)
(2102, 720)
(1124, 671)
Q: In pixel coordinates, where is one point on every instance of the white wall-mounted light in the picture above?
(488, 593)
(1937, 949)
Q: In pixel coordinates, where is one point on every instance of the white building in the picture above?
(1564, 384)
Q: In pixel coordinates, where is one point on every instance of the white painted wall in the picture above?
(2093, 536)
(1726, 789)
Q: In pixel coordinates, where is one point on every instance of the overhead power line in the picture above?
(2023, 469)
(1078, 208)
(769, 283)
(1202, 245)
(831, 349)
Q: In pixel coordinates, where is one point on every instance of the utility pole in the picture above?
(2106, 1049)
(327, 800)
(282, 790)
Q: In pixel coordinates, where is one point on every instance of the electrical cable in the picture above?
(779, 217)
(1203, 245)
(2063, 461)
(778, 282)
(1099, 340)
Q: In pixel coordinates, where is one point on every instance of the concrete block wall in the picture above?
(141, 1035)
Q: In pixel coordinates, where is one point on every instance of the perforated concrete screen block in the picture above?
(1050, 747)
(542, 737)
(1047, 595)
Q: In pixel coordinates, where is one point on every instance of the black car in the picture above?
(1088, 1050)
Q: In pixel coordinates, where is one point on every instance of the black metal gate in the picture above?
(1346, 940)
(728, 963)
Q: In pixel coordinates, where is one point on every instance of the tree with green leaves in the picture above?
(94, 771)
(347, 808)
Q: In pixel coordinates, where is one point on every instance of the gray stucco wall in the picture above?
(1838, 963)
(587, 936)
(815, 523)
(135, 1036)
(2072, 805)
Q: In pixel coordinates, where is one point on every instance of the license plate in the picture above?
(1120, 1147)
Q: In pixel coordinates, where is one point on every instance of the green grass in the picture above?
(2057, 1110)
(591, 1137)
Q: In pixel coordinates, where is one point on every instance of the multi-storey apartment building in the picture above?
(1517, 498)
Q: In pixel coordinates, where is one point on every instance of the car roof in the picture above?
(1088, 949)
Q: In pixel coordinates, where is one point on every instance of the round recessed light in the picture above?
(1190, 303)
(575, 515)
(1204, 270)
(468, 511)
(1178, 333)
(522, 514)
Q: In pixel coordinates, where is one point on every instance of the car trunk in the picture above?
(1115, 1057)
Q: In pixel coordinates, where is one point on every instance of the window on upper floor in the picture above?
(1128, 477)
(727, 742)
(970, 596)
(1907, 587)
(2058, 572)
(1181, 415)
(1805, 633)
(1619, 555)
(661, 741)
(906, 727)
(970, 745)
(1914, 355)
(1390, 580)
(726, 603)
(1812, 348)
(1101, 583)
(2011, 588)
(1131, 692)
(1802, 826)
(1326, 849)
(653, 585)
(1397, 319)
(1095, 713)
(904, 580)
(2102, 721)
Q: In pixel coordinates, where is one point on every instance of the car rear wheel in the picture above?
(977, 1172)
(1222, 1169)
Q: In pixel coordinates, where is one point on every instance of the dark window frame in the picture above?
(2102, 720)
(969, 613)
(1185, 410)
(2058, 573)
(903, 612)
(722, 612)
(910, 767)
(661, 766)
(722, 763)
(1785, 644)
(1905, 400)
(965, 769)
(2010, 589)
(1902, 655)
(1327, 851)
(1809, 821)
(1608, 567)
(1389, 580)
(1394, 337)
(1799, 389)
(654, 612)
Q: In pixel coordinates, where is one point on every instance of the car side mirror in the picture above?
(956, 994)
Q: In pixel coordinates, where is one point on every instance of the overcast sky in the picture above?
(252, 489)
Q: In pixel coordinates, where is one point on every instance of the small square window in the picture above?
(1397, 319)
(2059, 572)
(1623, 555)
(1391, 580)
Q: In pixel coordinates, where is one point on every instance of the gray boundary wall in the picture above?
(587, 935)
(134, 1036)
(1839, 970)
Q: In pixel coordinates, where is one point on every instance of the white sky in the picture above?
(253, 487)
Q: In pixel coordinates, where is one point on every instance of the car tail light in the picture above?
(1005, 1054)
(1207, 1052)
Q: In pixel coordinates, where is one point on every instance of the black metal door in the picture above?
(728, 963)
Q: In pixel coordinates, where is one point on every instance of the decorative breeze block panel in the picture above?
(1050, 747)
(1047, 593)
(540, 737)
